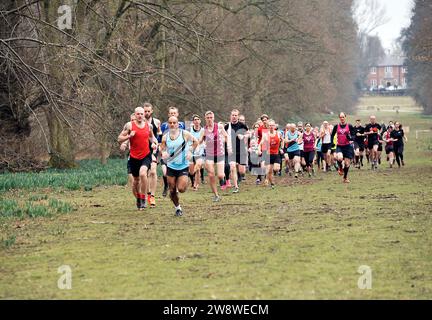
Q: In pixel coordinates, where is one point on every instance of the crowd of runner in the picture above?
(226, 151)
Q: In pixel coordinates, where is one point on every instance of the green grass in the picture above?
(89, 174)
(258, 244)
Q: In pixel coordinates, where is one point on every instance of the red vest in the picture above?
(139, 143)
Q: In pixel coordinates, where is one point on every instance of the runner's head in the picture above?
(300, 126)
(235, 116)
(288, 127)
(358, 123)
(139, 114)
(325, 124)
(308, 127)
(264, 118)
(398, 125)
(173, 123)
(173, 112)
(242, 119)
(272, 125)
(196, 120)
(372, 119)
(132, 117)
(293, 127)
(342, 117)
(390, 123)
(148, 110)
(390, 128)
(209, 118)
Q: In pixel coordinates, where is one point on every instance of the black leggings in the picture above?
(398, 150)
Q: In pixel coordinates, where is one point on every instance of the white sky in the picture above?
(399, 14)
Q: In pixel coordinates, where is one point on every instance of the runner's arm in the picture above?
(126, 133)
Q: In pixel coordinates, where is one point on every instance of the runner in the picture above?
(325, 135)
(152, 178)
(344, 149)
(285, 150)
(263, 128)
(291, 139)
(139, 133)
(176, 151)
(319, 155)
(371, 130)
(359, 145)
(238, 132)
(172, 112)
(309, 148)
(198, 155)
(389, 145)
(274, 143)
(398, 145)
(301, 146)
(214, 136)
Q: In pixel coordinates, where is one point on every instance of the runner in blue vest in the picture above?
(176, 152)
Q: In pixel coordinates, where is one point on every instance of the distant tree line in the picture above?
(287, 58)
(417, 43)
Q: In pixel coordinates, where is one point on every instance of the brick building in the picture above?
(390, 71)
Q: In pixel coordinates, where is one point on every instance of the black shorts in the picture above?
(389, 149)
(136, 164)
(309, 156)
(301, 153)
(239, 158)
(371, 144)
(274, 158)
(177, 173)
(359, 146)
(293, 154)
(129, 170)
(347, 151)
(380, 147)
(325, 147)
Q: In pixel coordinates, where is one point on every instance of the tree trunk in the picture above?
(62, 148)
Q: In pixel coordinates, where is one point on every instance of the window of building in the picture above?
(404, 70)
(389, 70)
(373, 83)
(373, 70)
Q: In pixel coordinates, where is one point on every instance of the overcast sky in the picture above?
(399, 14)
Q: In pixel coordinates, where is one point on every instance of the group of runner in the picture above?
(227, 150)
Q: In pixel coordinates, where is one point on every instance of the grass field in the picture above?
(304, 240)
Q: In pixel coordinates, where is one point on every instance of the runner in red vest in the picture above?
(140, 136)
(273, 142)
(344, 149)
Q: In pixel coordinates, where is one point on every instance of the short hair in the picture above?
(147, 105)
(172, 108)
(235, 110)
(195, 116)
(208, 112)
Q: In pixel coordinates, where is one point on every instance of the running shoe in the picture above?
(340, 171)
(228, 183)
(346, 180)
(310, 174)
(223, 187)
(179, 213)
(235, 190)
(138, 203)
(152, 201)
(286, 170)
(165, 192)
(403, 163)
(257, 181)
(143, 204)
(216, 199)
(266, 182)
(296, 175)
(272, 186)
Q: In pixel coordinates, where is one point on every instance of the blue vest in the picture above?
(178, 161)
(294, 146)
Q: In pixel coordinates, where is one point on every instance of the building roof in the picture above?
(391, 61)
